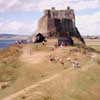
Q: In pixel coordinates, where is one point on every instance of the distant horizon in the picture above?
(32, 34)
(14, 34)
(21, 16)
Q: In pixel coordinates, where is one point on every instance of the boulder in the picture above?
(39, 38)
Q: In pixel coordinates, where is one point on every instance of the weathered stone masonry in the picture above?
(59, 23)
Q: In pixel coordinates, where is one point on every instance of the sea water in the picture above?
(6, 43)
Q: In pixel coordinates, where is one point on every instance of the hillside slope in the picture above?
(48, 73)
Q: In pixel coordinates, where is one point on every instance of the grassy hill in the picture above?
(43, 72)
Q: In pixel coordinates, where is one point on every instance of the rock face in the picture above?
(39, 38)
(59, 23)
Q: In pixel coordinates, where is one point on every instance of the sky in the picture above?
(21, 16)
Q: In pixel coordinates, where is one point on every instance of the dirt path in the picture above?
(11, 97)
(27, 57)
(23, 91)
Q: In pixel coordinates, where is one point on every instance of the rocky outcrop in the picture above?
(39, 38)
(59, 23)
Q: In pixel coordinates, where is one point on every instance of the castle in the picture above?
(59, 23)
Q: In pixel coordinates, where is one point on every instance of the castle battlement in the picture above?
(60, 14)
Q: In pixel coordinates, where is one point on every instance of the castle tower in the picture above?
(59, 22)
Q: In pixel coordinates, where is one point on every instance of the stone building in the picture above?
(59, 23)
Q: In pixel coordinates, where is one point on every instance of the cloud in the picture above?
(17, 5)
(29, 5)
(89, 24)
(17, 27)
(33, 5)
(75, 4)
(59, 4)
(84, 4)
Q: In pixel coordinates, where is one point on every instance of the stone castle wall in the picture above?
(58, 23)
(55, 20)
(60, 14)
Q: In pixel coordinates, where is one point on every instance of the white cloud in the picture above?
(89, 24)
(31, 5)
(17, 27)
(84, 4)
(75, 4)
(59, 4)
(17, 5)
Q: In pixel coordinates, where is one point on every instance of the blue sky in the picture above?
(21, 16)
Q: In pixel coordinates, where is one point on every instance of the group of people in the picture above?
(21, 42)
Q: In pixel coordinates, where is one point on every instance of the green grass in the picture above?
(8, 71)
(9, 63)
(80, 88)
